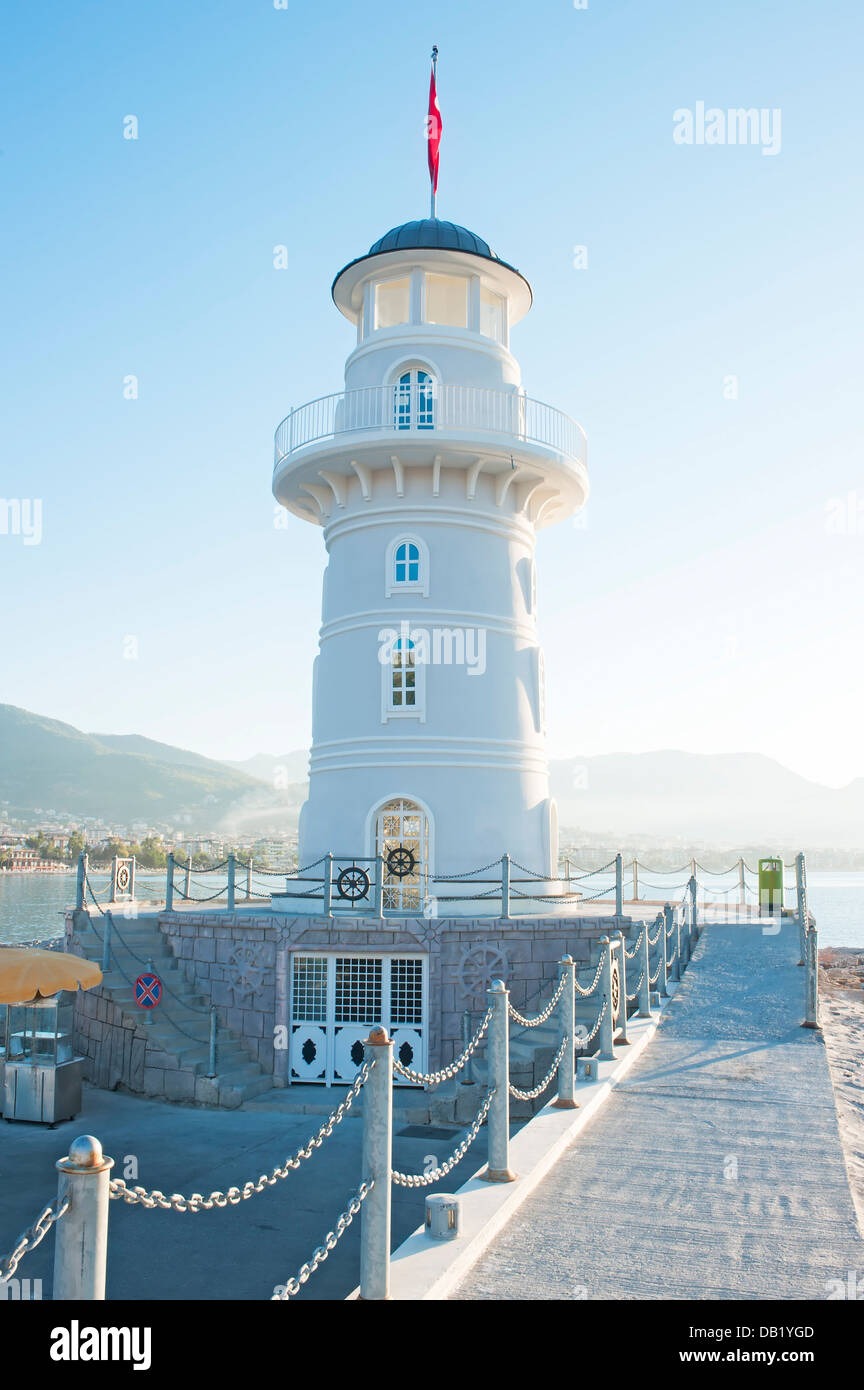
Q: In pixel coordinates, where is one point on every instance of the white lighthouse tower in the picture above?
(430, 474)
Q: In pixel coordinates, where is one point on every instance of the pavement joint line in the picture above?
(425, 1270)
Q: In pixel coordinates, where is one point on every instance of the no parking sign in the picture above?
(148, 991)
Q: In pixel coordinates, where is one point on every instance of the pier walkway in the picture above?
(715, 1169)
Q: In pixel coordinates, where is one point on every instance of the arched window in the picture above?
(414, 406)
(402, 834)
(407, 567)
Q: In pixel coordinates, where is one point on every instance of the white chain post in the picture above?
(249, 879)
(619, 886)
(694, 920)
(663, 977)
(505, 885)
(80, 885)
(669, 923)
(635, 881)
(742, 884)
(377, 1167)
(169, 882)
(187, 882)
(232, 873)
(812, 957)
(327, 906)
(801, 893)
(378, 900)
(566, 1098)
(81, 1249)
(498, 1061)
(645, 984)
(622, 982)
(605, 1037)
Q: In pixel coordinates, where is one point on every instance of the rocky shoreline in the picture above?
(842, 1019)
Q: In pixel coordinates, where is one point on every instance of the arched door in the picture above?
(402, 833)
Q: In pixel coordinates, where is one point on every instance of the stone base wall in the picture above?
(242, 962)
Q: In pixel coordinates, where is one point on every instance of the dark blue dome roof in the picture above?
(431, 232)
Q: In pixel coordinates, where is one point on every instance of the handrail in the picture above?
(418, 409)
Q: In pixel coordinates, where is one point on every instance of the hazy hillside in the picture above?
(48, 765)
(269, 767)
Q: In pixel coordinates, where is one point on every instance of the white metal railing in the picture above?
(421, 408)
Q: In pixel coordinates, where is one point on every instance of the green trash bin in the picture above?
(770, 885)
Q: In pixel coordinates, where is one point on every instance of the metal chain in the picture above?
(631, 955)
(469, 873)
(29, 1239)
(652, 979)
(434, 1078)
(635, 994)
(596, 1029)
(538, 1090)
(282, 1292)
(594, 983)
(195, 1203)
(541, 1018)
(428, 1179)
(652, 940)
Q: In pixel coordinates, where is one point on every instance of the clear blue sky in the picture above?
(706, 605)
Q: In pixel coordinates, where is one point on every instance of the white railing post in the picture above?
(663, 977)
(114, 879)
(187, 878)
(622, 982)
(327, 905)
(505, 885)
(619, 886)
(377, 1168)
(635, 881)
(694, 920)
(169, 881)
(811, 1019)
(81, 1249)
(498, 1062)
(378, 901)
(232, 873)
(249, 880)
(645, 985)
(606, 1036)
(566, 1098)
(742, 884)
(106, 943)
(668, 925)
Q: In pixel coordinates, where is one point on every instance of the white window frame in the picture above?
(388, 709)
(417, 586)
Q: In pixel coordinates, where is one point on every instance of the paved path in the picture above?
(713, 1171)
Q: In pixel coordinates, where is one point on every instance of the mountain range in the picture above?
(46, 765)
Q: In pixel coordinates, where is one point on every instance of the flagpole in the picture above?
(434, 196)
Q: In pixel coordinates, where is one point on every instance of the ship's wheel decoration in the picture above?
(123, 877)
(479, 967)
(616, 990)
(353, 884)
(401, 862)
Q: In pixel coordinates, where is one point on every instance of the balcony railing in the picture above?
(418, 409)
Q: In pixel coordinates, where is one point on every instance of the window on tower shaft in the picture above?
(404, 675)
(407, 563)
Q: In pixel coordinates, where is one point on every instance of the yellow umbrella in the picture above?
(27, 972)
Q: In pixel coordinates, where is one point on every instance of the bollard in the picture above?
(663, 976)
(249, 880)
(442, 1216)
(467, 1078)
(214, 1023)
(694, 920)
(232, 875)
(114, 879)
(377, 1168)
(645, 983)
(81, 880)
(635, 881)
(106, 943)
(327, 906)
(81, 1249)
(811, 1019)
(622, 1038)
(505, 885)
(187, 882)
(169, 881)
(606, 1035)
(566, 1098)
(498, 1062)
(668, 923)
(682, 915)
(619, 886)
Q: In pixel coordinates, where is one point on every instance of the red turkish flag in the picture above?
(433, 132)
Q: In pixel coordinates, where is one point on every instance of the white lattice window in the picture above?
(358, 989)
(406, 991)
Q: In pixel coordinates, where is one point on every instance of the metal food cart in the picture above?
(42, 1075)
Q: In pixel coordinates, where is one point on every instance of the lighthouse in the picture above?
(430, 473)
